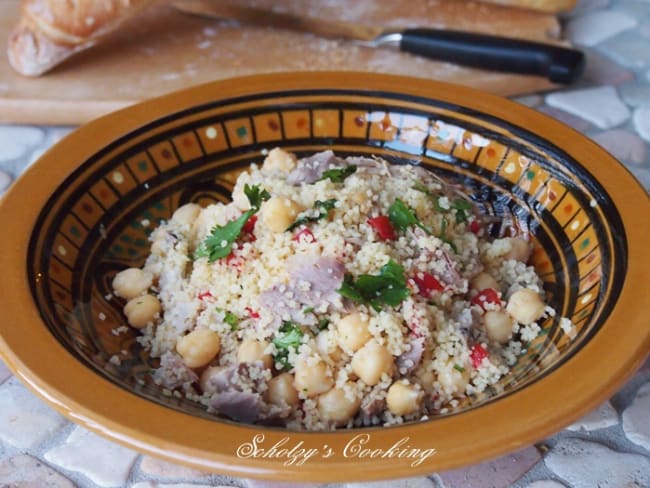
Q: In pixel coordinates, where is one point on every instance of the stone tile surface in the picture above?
(156, 484)
(597, 26)
(251, 483)
(573, 121)
(584, 464)
(5, 181)
(402, 483)
(25, 471)
(16, 140)
(164, 469)
(5, 374)
(623, 145)
(103, 462)
(25, 421)
(635, 94)
(602, 417)
(642, 122)
(497, 473)
(643, 175)
(546, 484)
(601, 105)
(635, 418)
(629, 49)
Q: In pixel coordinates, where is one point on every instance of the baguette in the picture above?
(551, 6)
(50, 31)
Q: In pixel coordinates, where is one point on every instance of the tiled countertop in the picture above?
(610, 447)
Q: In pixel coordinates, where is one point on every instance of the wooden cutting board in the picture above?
(163, 51)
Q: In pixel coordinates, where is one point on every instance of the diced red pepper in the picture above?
(305, 235)
(477, 354)
(383, 227)
(487, 296)
(252, 313)
(205, 294)
(234, 261)
(475, 226)
(249, 226)
(427, 284)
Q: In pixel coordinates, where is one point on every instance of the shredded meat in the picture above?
(236, 392)
(411, 358)
(173, 372)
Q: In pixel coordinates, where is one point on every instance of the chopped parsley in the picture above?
(386, 288)
(230, 318)
(458, 367)
(402, 216)
(308, 310)
(422, 188)
(323, 209)
(289, 337)
(323, 323)
(222, 237)
(337, 175)
(462, 208)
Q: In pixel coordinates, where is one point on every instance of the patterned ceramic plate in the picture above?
(85, 209)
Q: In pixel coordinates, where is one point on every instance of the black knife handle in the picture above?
(558, 64)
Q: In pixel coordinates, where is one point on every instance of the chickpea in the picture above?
(278, 213)
(131, 283)
(335, 406)
(426, 379)
(279, 160)
(251, 350)
(371, 361)
(312, 379)
(353, 331)
(199, 347)
(142, 310)
(404, 398)
(205, 381)
(520, 250)
(498, 326)
(483, 281)
(281, 391)
(327, 345)
(525, 306)
(186, 214)
(453, 379)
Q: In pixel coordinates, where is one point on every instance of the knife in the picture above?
(559, 64)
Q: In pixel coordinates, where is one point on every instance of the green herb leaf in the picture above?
(402, 216)
(422, 188)
(337, 175)
(443, 238)
(323, 323)
(458, 367)
(323, 208)
(386, 288)
(230, 318)
(289, 337)
(308, 310)
(222, 237)
(462, 208)
(256, 195)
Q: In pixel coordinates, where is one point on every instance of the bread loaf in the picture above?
(50, 31)
(542, 5)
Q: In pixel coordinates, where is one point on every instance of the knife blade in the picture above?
(557, 63)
